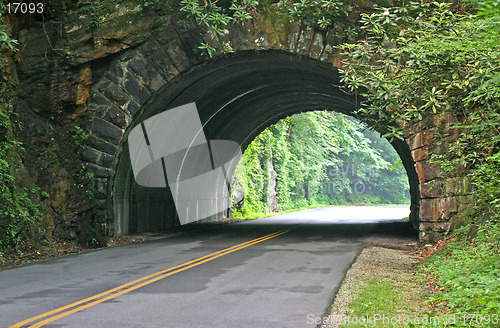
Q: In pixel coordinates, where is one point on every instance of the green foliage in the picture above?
(324, 13)
(19, 210)
(423, 59)
(320, 158)
(215, 19)
(468, 272)
(80, 134)
(6, 44)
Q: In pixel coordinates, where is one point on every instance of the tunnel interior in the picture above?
(237, 97)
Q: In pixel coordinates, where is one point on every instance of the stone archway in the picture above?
(238, 96)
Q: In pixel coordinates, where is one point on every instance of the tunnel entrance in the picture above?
(237, 97)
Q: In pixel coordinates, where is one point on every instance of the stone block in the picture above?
(457, 186)
(148, 75)
(105, 160)
(116, 72)
(430, 210)
(102, 204)
(420, 154)
(239, 36)
(305, 40)
(431, 189)
(427, 171)
(91, 109)
(99, 171)
(434, 227)
(442, 227)
(261, 43)
(155, 83)
(116, 94)
(101, 218)
(86, 121)
(140, 67)
(101, 85)
(100, 188)
(421, 139)
(134, 88)
(293, 38)
(101, 145)
(178, 56)
(98, 102)
(438, 209)
(89, 154)
(116, 116)
(189, 34)
(132, 107)
(317, 45)
(107, 131)
(129, 54)
(450, 205)
(330, 53)
(430, 237)
(158, 57)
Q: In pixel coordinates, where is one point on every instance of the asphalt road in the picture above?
(282, 269)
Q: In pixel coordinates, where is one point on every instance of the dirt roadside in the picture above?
(60, 248)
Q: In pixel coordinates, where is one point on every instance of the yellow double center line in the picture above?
(133, 285)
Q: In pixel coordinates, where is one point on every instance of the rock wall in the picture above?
(445, 195)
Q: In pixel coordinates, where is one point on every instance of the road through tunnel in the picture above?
(237, 97)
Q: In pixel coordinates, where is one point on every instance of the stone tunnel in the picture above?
(139, 63)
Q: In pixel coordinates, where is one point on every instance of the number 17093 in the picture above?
(24, 8)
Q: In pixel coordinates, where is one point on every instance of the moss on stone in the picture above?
(273, 24)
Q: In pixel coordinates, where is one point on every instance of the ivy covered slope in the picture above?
(16, 207)
(320, 158)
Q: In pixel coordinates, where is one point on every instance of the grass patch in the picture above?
(376, 297)
(388, 301)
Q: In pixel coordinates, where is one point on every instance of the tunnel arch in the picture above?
(237, 97)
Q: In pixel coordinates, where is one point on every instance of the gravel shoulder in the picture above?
(395, 266)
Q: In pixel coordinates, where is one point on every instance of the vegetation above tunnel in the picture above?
(423, 59)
